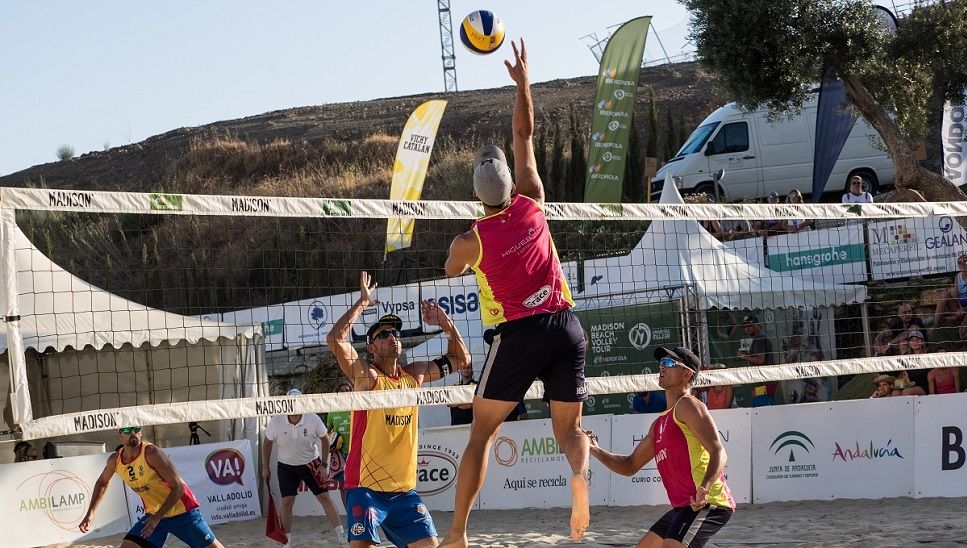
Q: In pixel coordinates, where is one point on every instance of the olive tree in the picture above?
(774, 52)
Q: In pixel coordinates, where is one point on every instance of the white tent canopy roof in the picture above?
(682, 256)
(59, 311)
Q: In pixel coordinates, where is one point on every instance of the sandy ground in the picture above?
(887, 522)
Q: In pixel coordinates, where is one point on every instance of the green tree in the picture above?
(772, 52)
(578, 164)
(651, 146)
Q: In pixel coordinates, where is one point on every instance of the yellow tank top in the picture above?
(382, 453)
(145, 481)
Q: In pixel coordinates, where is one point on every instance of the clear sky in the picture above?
(109, 73)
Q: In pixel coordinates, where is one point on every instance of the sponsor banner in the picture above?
(822, 451)
(941, 439)
(46, 500)
(614, 110)
(436, 465)
(527, 468)
(953, 139)
(222, 477)
(833, 254)
(645, 488)
(918, 246)
(409, 170)
(271, 318)
(622, 341)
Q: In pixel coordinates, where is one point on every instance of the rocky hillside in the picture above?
(198, 265)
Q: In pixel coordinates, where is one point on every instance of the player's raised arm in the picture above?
(338, 337)
(525, 164)
(457, 356)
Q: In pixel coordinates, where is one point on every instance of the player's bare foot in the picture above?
(580, 507)
(455, 541)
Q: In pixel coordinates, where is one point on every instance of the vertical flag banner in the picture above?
(409, 170)
(954, 143)
(834, 122)
(613, 108)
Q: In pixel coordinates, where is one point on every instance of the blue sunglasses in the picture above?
(669, 363)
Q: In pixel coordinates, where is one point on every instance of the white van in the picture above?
(760, 156)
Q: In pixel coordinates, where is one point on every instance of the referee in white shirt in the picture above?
(300, 461)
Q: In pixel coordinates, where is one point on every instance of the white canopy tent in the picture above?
(677, 258)
(88, 349)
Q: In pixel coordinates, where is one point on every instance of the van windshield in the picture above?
(697, 139)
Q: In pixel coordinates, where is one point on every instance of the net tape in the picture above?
(258, 206)
(175, 413)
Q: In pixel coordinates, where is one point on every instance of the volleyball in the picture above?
(482, 32)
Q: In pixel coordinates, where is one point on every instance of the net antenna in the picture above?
(446, 47)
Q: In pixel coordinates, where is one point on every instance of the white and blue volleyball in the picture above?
(482, 32)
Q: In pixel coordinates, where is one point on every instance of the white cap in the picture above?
(294, 392)
(492, 183)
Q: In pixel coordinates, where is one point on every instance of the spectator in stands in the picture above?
(943, 380)
(649, 402)
(883, 386)
(795, 225)
(24, 452)
(915, 346)
(891, 341)
(856, 194)
(952, 304)
(902, 387)
(735, 229)
(768, 227)
(757, 350)
(719, 397)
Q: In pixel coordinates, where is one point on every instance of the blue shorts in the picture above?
(403, 516)
(189, 527)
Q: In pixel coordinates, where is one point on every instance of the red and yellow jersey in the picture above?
(153, 490)
(682, 462)
(518, 270)
(382, 453)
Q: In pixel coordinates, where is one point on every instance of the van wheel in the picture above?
(708, 189)
(870, 182)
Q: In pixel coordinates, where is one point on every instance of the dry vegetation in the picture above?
(212, 264)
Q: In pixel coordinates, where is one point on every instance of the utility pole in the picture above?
(446, 46)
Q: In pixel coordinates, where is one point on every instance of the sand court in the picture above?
(853, 522)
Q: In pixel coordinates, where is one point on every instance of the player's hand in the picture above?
(149, 526)
(699, 499)
(518, 71)
(592, 438)
(366, 287)
(86, 522)
(433, 314)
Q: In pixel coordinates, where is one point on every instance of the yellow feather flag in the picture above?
(409, 170)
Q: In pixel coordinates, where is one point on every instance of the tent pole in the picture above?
(19, 389)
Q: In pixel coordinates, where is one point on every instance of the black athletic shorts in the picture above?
(549, 347)
(691, 528)
(290, 476)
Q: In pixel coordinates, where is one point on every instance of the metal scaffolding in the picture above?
(446, 47)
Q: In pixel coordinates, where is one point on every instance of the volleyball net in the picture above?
(169, 309)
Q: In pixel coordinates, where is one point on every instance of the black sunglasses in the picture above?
(128, 430)
(386, 334)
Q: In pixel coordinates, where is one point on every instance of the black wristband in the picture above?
(443, 363)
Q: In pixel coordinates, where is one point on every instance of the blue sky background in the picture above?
(90, 74)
